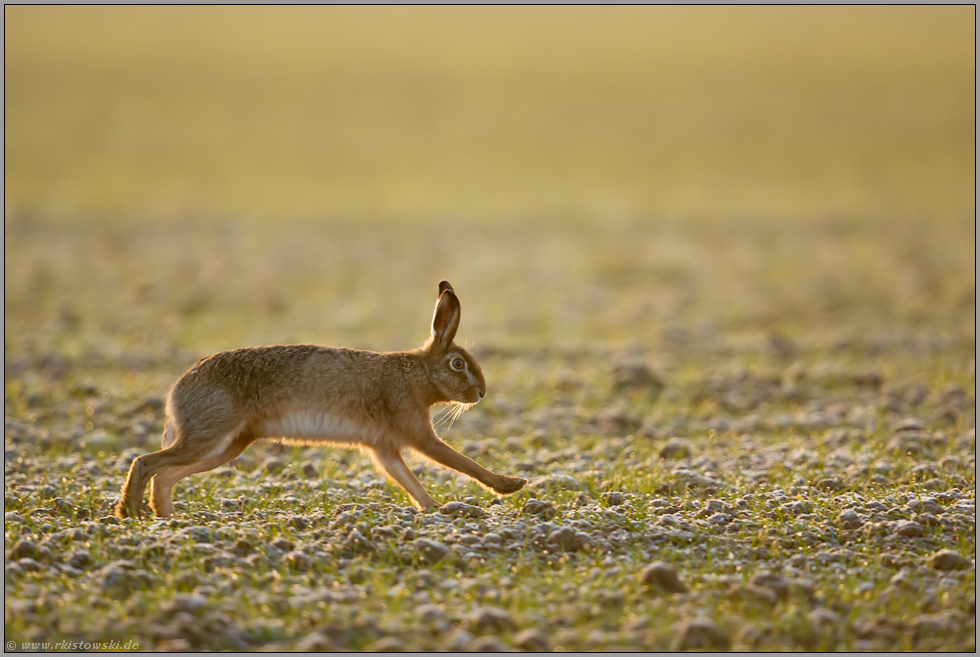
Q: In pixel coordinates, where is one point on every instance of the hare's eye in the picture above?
(458, 363)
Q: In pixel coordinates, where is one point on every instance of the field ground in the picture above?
(725, 309)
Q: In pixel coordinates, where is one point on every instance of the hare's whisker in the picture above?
(442, 416)
(459, 409)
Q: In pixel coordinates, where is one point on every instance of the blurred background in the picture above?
(638, 179)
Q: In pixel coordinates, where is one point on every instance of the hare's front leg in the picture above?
(437, 450)
(392, 463)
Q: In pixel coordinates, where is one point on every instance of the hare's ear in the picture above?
(444, 285)
(445, 319)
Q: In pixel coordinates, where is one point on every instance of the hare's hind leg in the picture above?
(143, 468)
(162, 484)
(437, 450)
(187, 449)
(392, 463)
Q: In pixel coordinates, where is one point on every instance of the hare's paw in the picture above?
(123, 511)
(510, 485)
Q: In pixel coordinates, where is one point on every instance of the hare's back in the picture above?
(262, 372)
(305, 392)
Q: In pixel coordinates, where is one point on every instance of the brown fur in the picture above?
(313, 394)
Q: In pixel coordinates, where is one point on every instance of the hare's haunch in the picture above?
(311, 394)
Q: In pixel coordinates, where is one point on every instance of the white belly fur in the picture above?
(319, 426)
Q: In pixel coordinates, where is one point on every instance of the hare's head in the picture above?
(453, 370)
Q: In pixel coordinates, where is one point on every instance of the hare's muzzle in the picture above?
(475, 394)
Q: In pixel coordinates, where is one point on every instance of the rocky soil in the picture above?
(845, 520)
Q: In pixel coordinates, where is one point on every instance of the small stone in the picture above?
(381, 532)
(717, 506)
(662, 574)
(531, 640)
(298, 560)
(924, 472)
(422, 579)
(358, 542)
(567, 539)
(315, 642)
(273, 465)
(46, 491)
(752, 593)
(750, 636)
(638, 624)
(173, 645)
(949, 560)
(120, 577)
(190, 603)
(432, 551)
(824, 557)
(824, 618)
(849, 519)
(930, 604)
(951, 464)
(910, 424)
(81, 560)
(540, 508)
(387, 644)
(491, 619)
(699, 633)
(459, 509)
(798, 507)
(459, 641)
(676, 448)
(310, 472)
(775, 583)
(283, 544)
(830, 484)
(555, 481)
(194, 534)
(901, 580)
(927, 519)
(693, 481)
(23, 549)
(892, 560)
(636, 375)
(909, 529)
(187, 580)
(488, 644)
(924, 505)
(612, 498)
(430, 613)
(71, 572)
(28, 565)
(929, 625)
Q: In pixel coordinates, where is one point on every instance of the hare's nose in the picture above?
(483, 393)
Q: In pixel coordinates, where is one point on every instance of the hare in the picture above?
(308, 394)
